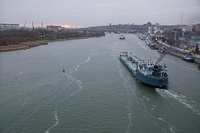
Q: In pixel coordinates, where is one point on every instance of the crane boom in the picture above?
(25, 23)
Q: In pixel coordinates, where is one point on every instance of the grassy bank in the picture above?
(27, 45)
(22, 46)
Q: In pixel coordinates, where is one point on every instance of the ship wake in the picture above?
(70, 81)
(57, 121)
(187, 101)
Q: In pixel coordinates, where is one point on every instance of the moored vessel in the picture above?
(189, 59)
(149, 72)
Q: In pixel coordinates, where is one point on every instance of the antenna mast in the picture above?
(181, 18)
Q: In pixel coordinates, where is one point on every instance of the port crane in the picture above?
(25, 24)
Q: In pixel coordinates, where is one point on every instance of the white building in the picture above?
(4, 26)
(54, 28)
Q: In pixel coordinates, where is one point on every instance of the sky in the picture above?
(83, 13)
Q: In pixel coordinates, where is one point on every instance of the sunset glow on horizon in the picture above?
(68, 26)
(72, 26)
(36, 25)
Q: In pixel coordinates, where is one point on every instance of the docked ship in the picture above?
(149, 72)
(189, 59)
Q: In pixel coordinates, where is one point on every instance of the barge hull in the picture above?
(132, 67)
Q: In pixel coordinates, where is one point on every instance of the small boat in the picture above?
(122, 37)
(148, 72)
(153, 46)
(189, 59)
(160, 51)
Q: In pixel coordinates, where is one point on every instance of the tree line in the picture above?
(10, 37)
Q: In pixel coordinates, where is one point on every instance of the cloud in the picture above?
(99, 12)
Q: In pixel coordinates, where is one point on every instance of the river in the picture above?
(95, 93)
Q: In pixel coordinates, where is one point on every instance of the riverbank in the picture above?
(22, 46)
(175, 51)
(180, 53)
(27, 45)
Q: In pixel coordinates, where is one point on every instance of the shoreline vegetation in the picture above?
(12, 40)
(30, 44)
(22, 46)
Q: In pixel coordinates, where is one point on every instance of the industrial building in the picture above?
(54, 28)
(4, 26)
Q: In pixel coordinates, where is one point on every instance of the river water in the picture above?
(96, 93)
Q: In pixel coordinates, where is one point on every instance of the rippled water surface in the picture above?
(96, 93)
